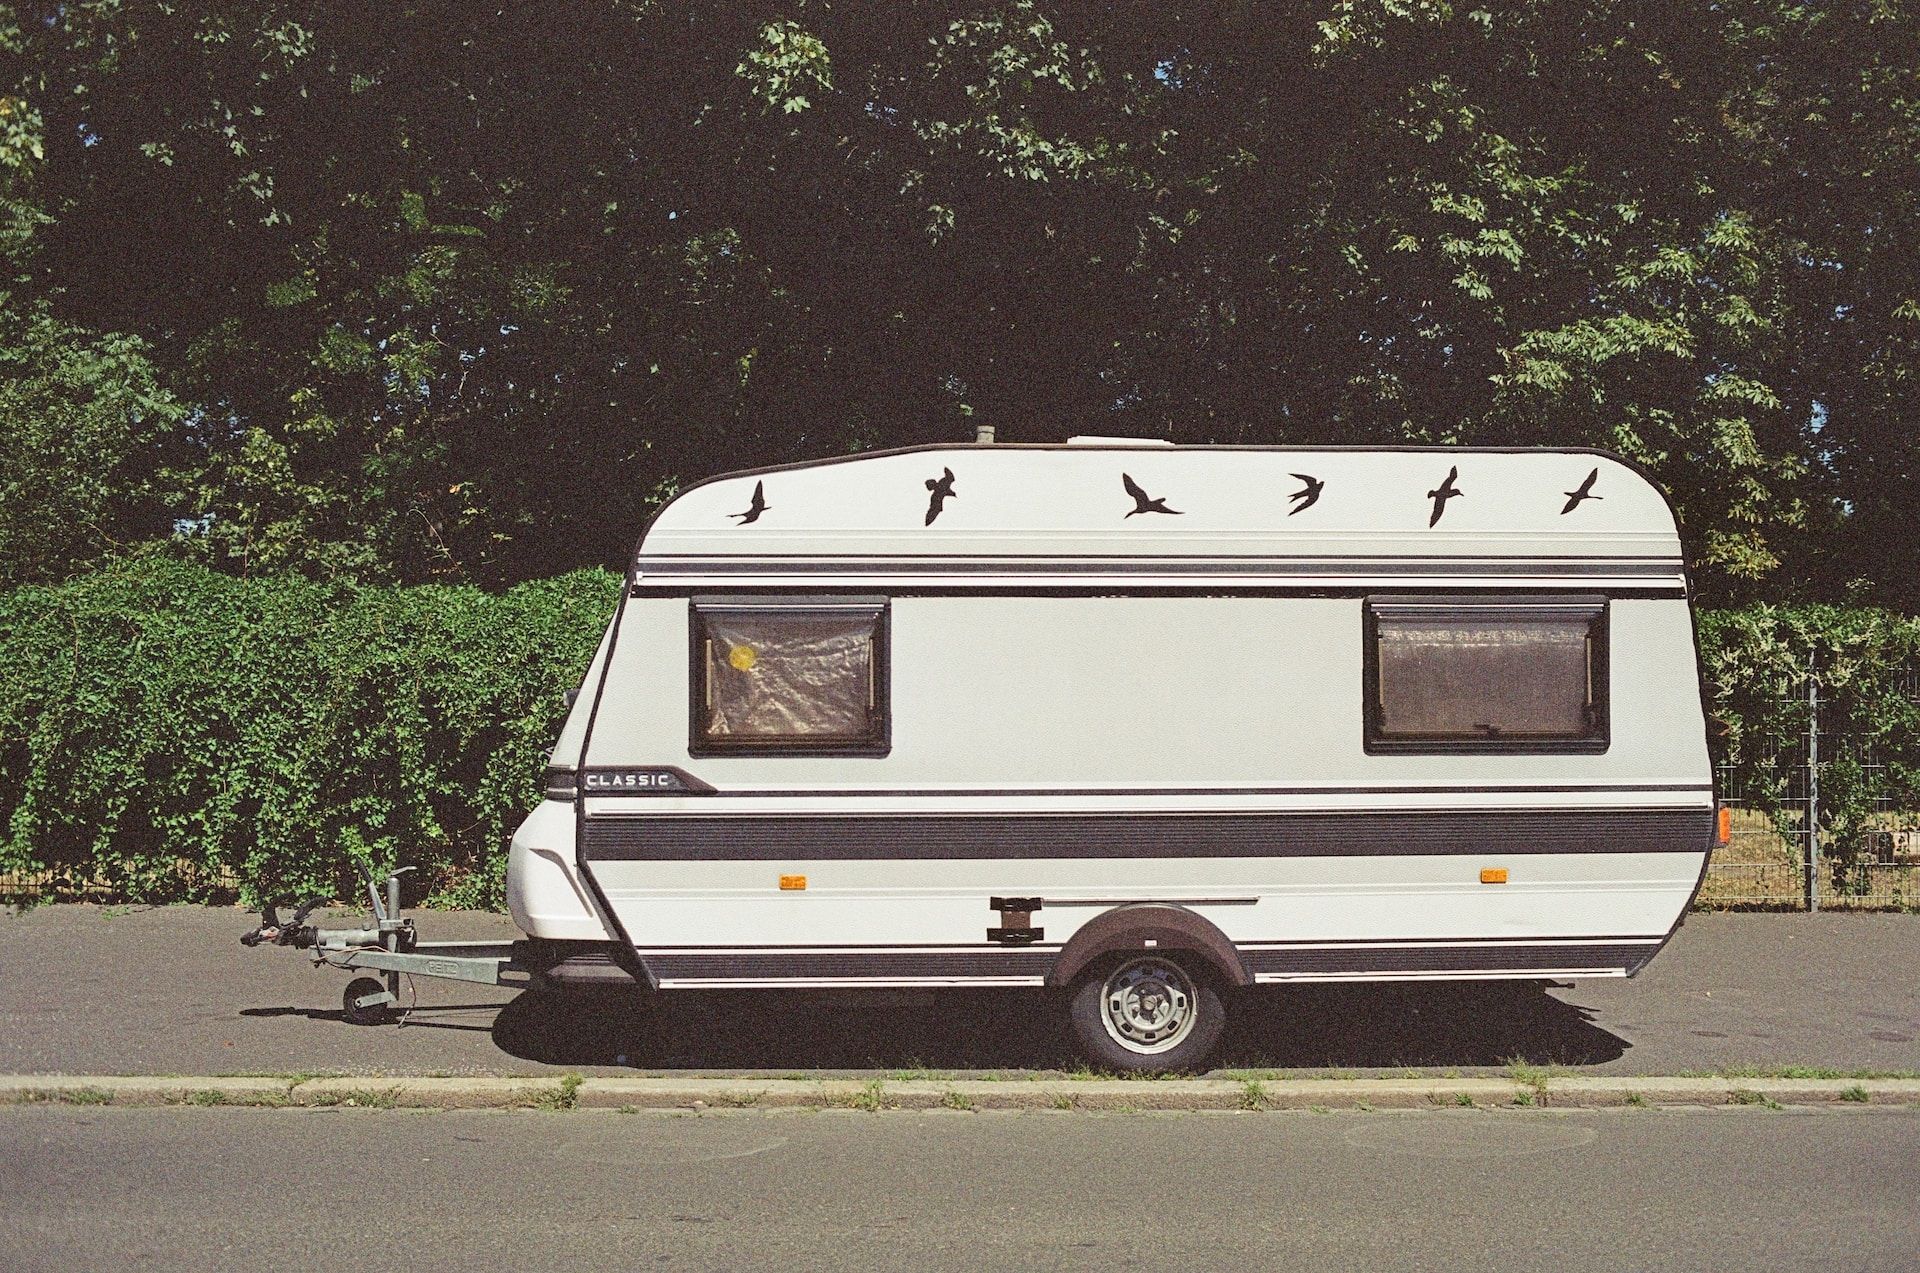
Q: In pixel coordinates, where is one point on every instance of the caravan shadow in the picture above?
(1327, 1027)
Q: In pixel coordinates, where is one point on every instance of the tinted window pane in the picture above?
(788, 676)
(1514, 678)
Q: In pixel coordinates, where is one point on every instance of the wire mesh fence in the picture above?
(1831, 821)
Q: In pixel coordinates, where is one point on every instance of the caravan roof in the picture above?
(1108, 509)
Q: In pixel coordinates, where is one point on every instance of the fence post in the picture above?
(1813, 784)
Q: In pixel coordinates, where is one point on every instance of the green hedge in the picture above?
(169, 733)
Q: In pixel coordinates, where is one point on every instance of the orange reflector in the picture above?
(793, 881)
(1493, 875)
(1724, 832)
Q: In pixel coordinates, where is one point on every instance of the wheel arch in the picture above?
(1160, 926)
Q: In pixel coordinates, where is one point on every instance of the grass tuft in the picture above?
(1532, 1077)
(951, 1099)
(1253, 1096)
(871, 1097)
(560, 1098)
(1746, 1096)
(357, 1098)
(1855, 1094)
(83, 1096)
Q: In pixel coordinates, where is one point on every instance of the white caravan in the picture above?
(1145, 723)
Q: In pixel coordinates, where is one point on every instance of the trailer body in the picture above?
(1000, 715)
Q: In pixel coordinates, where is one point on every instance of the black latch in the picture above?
(1016, 919)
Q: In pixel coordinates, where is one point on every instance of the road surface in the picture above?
(199, 1189)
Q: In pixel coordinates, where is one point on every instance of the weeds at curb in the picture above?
(1253, 1096)
(1746, 1096)
(562, 1098)
(1856, 1095)
(356, 1098)
(1637, 1101)
(870, 1099)
(951, 1099)
(1532, 1077)
(83, 1096)
(1062, 1100)
(1794, 1072)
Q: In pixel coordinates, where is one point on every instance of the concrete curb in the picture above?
(564, 1092)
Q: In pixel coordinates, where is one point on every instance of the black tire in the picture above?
(1148, 1013)
(353, 1014)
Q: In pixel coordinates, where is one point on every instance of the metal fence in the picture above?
(1787, 852)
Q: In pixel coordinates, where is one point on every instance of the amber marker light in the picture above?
(793, 883)
(1723, 831)
(1493, 875)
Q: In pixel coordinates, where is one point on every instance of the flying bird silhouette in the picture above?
(1585, 492)
(942, 488)
(1141, 503)
(1446, 491)
(756, 508)
(1309, 496)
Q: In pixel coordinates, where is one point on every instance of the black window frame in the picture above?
(1598, 610)
(879, 739)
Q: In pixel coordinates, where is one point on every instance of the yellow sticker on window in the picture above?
(743, 657)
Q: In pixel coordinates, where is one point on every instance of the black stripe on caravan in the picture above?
(787, 838)
(785, 965)
(1364, 961)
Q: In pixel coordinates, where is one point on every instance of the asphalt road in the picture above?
(171, 991)
(1629, 1189)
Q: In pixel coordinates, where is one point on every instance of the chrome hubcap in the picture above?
(1148, 1005)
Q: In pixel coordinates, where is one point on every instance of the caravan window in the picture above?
(797, 678)
(1494, 676)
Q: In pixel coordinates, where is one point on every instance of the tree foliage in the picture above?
(464, 292)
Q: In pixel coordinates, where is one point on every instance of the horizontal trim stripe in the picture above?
(834, 837)
(1011, 962)
(1429, 789)
(899, 587)
(1513, 957)
(1150, 563)
(846, 983)
(1003, 965)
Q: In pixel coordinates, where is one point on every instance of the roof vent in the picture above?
(1093, 439)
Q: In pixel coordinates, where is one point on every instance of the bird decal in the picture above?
(1142, 503)
(1585, 492)
(942, 488)
(1447, 490)
(1308, 495)
(756, 508)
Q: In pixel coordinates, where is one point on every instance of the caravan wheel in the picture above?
(1144, 1014)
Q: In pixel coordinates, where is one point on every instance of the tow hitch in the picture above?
(389, 947)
